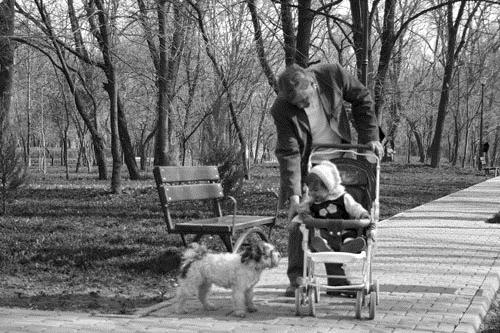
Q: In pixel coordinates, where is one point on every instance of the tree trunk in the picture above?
(259, 131)
(456, 140)
(357, 33)
(408, 148)
(395, 106)
(115, 140)
(42, 164)
(65, 152)
(466, 142)
(288, 32)
(305, 17)
(166, 151)
(259, 44)
(27, 158)
(467, 122)
(6, 61)
(4, 197)
(442, 108)
(104, 37)
(6, 75)
(126, 142)
(387, 44)
(162, 147)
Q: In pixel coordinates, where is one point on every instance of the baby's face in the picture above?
(317, 190)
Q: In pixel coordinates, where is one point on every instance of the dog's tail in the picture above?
(193, 253)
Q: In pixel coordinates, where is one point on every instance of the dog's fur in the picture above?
(237, 271)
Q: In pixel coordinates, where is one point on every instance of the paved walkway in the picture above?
(438, 267)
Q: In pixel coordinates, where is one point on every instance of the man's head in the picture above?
(295, 84)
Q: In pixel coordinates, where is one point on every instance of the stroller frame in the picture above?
(307, 293)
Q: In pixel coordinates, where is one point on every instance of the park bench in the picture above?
(199, 184)
(487, 169)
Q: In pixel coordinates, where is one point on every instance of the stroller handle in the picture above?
(345, 146)
(331, 223)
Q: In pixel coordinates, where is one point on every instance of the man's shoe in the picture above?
(355, 246)
(290, 291)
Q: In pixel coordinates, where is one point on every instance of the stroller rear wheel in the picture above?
(372, 305)
(374, 299)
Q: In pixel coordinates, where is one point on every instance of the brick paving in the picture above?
(437, 265)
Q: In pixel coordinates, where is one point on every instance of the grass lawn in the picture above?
(70, 245)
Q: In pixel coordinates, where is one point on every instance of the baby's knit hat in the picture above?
(329, 175)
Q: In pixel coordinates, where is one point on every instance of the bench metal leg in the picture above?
(183, 237)
(228, 242)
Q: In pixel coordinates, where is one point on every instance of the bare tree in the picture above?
(219, 70)
(101, 23)
(167, 69)
(258, 38)
(104, 35)
(55, 45)
(452, 52)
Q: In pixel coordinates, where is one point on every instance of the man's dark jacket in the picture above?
(294, 142)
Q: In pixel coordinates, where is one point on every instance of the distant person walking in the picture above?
(484, 153)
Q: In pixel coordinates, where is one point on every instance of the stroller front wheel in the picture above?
(305, 298)
(313, 299)
(359, 303)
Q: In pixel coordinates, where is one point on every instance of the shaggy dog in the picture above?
(237, 271)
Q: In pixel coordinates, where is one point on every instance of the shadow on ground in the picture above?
(91, 302)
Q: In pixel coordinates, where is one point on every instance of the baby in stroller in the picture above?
(338, 219)
(327, 199)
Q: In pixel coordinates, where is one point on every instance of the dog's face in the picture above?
(264, 255)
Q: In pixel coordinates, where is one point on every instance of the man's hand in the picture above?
(372, 233)
(306, 217)
(377, 148)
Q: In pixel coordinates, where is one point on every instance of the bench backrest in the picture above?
(185, 184)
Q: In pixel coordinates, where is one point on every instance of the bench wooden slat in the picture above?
(223, 223)
(192, 192)
(168, 174)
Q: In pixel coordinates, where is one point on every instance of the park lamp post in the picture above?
(480, 148)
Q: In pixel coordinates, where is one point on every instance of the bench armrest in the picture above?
(235, 204)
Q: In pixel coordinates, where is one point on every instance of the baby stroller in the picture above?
(360, 179)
